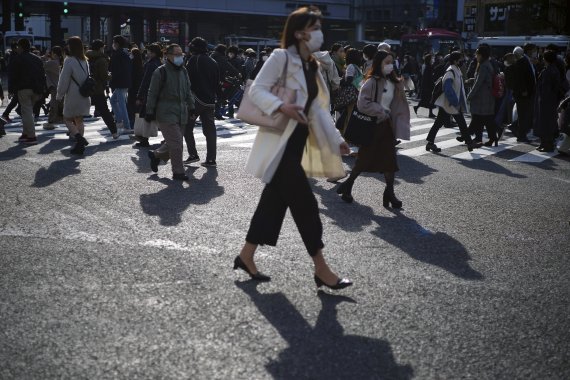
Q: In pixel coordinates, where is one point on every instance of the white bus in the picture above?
(503, 45)
(11, 37)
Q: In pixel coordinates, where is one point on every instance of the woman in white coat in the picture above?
(75, 71)
(309, 145)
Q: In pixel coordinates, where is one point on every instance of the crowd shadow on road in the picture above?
(488, 166)
(323, 351)
(172, 201)
(57, 171)
(434, 248)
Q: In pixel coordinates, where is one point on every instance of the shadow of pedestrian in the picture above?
(349, 217)
(55, 144)
(170, 203)
(323, 351)
(13, 153)
(437, 248)
(56, 171)
(489, 166)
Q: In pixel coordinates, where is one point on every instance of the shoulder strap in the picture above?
(283, 79)
(80, 65)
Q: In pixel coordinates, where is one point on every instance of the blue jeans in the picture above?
(119, 105)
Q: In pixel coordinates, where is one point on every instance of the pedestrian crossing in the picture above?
(237, 134)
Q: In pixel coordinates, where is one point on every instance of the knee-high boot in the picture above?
(389, 195)
(345, 188)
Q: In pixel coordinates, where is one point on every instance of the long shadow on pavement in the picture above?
(488, 166)
(170, 203)
(323, 352)
(56, 171)
(437, 248)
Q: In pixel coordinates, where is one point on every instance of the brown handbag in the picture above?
(252, 114)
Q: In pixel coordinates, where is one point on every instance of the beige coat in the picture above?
(75, 104)
(399, 110)
(322, 152)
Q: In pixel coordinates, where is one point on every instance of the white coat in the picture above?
(321, 157)
(459, 90)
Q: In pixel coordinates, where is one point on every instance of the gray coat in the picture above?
(480, 98)
(74, 104)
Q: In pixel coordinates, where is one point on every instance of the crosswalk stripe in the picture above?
(421, 150)
(487, 151)
(534, 157)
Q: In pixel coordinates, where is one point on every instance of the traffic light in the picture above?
(20, 10)
(65, 8)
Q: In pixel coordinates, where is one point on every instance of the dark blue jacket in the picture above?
(121, 69)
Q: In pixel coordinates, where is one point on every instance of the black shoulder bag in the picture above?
(86, 89)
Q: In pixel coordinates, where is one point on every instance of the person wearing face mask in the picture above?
(382, 96)
(263, 56)
(120, 68)
(452, 102)
(294, 156)
(426, 86)
(506, 106)
(170, 102)
(226, 70)
(52, 69)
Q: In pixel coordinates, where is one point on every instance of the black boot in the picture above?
(390, 197)
(345, 190)
(81, 140)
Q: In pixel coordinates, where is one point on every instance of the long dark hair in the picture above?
(76, 48)
(376, 69)
(297, 21)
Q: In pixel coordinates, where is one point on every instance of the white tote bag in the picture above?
(145, 129)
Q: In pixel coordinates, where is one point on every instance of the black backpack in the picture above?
(438, 87)
(39, 85)
(87, 88)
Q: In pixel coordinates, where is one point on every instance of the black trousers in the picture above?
(480, 121)
(443, 118)
(13, 104)
(101, 107)
(525, 111)
(206, 115)
(289, 188)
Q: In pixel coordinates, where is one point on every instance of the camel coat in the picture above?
(322, 151)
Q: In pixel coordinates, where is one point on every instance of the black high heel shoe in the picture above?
(391, 198)
(238, 263)
(340, 284)
(416, 110)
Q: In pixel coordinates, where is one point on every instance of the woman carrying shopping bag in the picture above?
(308, 145)
(382, 96)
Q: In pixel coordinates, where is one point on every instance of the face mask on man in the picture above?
(264, 58)
(178, 60)
(387, 69)
(231, 55)
(316, 41)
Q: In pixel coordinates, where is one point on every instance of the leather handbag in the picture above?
(344, 96)
(250, 113)
(361, 127)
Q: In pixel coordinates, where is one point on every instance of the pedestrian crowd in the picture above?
(317, 102)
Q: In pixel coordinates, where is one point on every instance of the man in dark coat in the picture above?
(547, 99)
(204, 76)
(27, 81)
(99, 67)
(523, 91)
(121, 71)
(226, 70)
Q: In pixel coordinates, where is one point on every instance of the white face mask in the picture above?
(506, 63)
(316, 41)
(264, 58)
(387, 69)
(178, 61)
(231, 55)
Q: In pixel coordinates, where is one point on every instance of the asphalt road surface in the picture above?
(109, 271)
